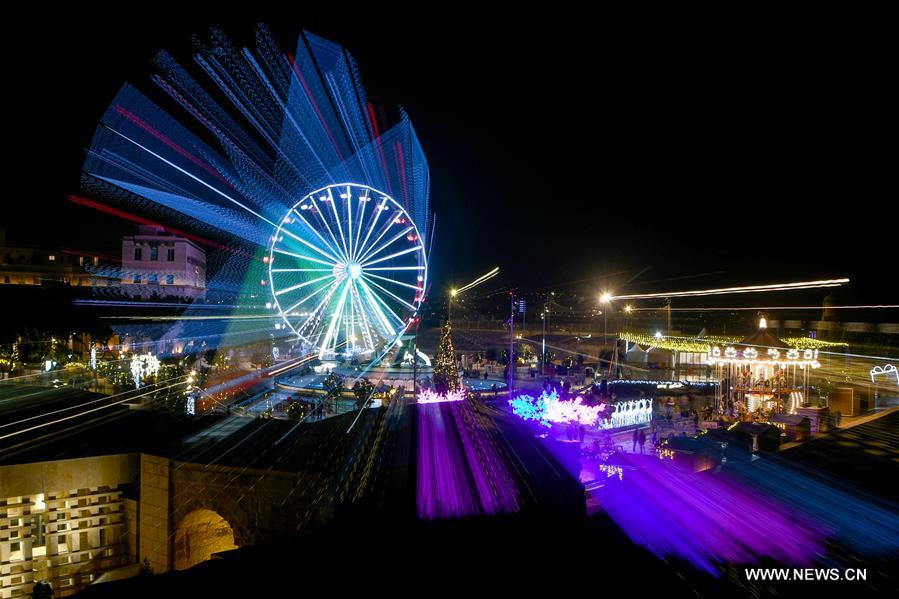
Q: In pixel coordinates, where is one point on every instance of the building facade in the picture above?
(29, 264)
(155, 264)
(66, 522)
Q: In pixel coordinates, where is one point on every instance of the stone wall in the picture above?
(155, 529)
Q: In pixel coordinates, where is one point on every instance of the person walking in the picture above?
(642, 439)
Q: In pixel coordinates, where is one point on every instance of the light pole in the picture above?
(605, 300)
(449, 310)
(511, 341)
(543, 344)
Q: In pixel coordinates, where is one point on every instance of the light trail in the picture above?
(87, 403)
(872, 307)
(210, 317)
(728, 290)
(153, 304)
(478, 281)
(299, 362)
(52, 422)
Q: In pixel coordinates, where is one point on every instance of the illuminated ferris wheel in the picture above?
(347, 270)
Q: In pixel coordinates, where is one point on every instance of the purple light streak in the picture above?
(704, 518)
(459, 469)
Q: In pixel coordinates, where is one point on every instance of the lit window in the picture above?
(137, 278)
(170, 280)
(38, 531)
(51, 258)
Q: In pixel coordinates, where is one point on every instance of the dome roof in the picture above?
(764, 338)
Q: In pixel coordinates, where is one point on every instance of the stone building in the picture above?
(157, 264)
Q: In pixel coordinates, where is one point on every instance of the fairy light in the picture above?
(430, 396)
(702, 344)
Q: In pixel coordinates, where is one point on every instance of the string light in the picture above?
(702, 344)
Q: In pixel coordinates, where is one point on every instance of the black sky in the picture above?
(563, 147)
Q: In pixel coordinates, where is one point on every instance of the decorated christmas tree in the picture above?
(446, 373)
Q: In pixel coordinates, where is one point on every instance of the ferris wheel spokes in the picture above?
(302, 257)
(376, 215)
(396, 255)
(362, 200)
(318, 212)
(335, 318)
(374, 252)
(385, 322)
(302, 270)
(309, 245)
(390, 293)
(333, 249)
(385, 228)
(400, 283)
(395, 268)
(311, 295)
(348, 290)
(301, 285)
(346, 252)
(331, 289)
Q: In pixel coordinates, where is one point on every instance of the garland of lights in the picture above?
(684, 344)
(691, 344)
(750, 356)
(809, 343)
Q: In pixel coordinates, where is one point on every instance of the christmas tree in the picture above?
(446, 374)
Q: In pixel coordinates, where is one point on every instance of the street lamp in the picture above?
(628, 310)
(543, 343)
(605, 299)
(449, 310)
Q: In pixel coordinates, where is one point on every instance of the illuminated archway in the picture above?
(200, 534)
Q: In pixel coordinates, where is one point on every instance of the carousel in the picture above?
(762, 375)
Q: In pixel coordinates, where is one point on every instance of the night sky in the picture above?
(575, 153)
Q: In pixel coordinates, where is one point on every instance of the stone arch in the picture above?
(201, 533)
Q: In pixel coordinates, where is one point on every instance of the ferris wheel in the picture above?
(347, 270)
